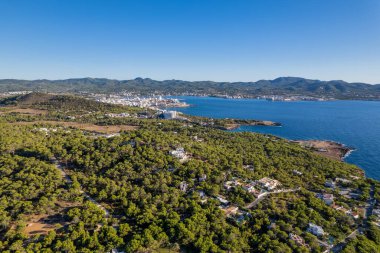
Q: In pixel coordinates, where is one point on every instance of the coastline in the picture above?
(290, 98)
(326, 148)
(237, 124)
(304, 125)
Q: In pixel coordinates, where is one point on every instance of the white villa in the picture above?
(315, 230)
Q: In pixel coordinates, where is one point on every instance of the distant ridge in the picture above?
(288, 86)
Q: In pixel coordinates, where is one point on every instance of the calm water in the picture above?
(354, 123)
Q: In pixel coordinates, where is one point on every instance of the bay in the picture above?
(353, 123)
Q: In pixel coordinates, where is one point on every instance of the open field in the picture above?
(29, 111)
(43, 223)
(83, 126)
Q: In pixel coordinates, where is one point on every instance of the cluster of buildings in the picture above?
(353, 214)
(13, 93)
(254, 187)
(229, 209)
(117, 115)
(232, 211)
(330, 183)
(269, 183)
(292, 98)
(45, 130)
(143, 102)
(340, 184)
(139, 115)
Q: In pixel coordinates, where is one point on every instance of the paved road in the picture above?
(256, 201)
(323, 243)
(369, 208)
(339, 246)
(263, 195)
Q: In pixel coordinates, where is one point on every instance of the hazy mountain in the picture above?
(279, 86)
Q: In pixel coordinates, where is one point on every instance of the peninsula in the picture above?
(328, 149)
(79, 175)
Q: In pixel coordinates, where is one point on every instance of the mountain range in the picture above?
(282, 86)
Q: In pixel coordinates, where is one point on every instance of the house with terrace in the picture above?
(268, 183)
(315, 229)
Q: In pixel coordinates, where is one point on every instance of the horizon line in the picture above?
(174, 79)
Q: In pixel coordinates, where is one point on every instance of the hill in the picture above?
(70, 185)
(288, 86)
(45, 101)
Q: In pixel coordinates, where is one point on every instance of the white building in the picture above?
(170, 114)
(179, 153)
(251, 189)
(326, 197)
(202, 178)
(117, 115)
(183, 186)
(342, 180)
(268, 183)
(330, 183)
(229, 184)
(222, 200)
(202, 194)
(315, 230)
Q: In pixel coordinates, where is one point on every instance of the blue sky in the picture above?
(221, 40)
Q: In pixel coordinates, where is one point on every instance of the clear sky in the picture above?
(221, 40)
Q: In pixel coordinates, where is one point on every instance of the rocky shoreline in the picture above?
(326, 148)
(238, 123)
(331, 149)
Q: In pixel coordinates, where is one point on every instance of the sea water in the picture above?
(353, 123)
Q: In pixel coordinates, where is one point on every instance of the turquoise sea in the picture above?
(353, 123)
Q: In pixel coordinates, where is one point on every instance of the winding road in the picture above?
(67, 178)
(362, 227)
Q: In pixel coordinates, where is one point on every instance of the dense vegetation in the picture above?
(98, 193)
(64, 103)
(280, 86)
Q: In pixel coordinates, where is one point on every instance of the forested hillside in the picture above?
(283, 86)
(169, 186)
